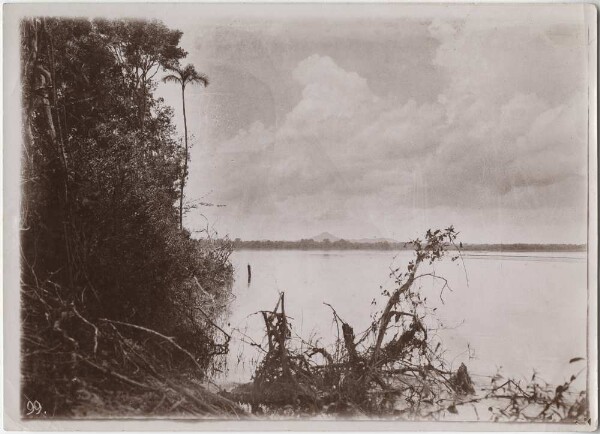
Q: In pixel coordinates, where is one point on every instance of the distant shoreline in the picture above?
(348, 245)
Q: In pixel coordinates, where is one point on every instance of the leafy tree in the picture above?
(101, 174)
(107, 181)
(184, 76)
(141, 48)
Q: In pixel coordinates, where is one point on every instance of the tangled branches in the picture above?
(76, 365)
(538, 401)
(396, 367)
(392, 361)
(512, 401)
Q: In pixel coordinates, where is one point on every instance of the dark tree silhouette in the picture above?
(105, 266)
(184, 76)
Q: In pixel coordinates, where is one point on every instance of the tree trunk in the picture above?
(185, 163)
(285, 365)
(386, 316)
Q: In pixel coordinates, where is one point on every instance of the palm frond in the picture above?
(186, 75)
(171, 78)
(199, 77)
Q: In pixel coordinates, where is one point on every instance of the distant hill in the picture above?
(325, 236)
(329, 236)
(327, 241)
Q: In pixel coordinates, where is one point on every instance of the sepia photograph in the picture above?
(231, 214)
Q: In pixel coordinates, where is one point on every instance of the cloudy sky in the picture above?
(383, 121)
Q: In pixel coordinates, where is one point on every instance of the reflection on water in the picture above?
(518, 311)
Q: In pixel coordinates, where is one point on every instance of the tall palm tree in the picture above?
(184, 76)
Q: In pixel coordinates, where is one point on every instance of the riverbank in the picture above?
(495, 399)
(401, 246)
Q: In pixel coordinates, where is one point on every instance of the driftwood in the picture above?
(400, 363)
(394, 367)
(461, 381)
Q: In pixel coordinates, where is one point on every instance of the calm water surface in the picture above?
(517, 311)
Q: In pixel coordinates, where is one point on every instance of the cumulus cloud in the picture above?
(517, 114)
(507, 132)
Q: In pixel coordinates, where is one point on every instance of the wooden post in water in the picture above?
(249, 274)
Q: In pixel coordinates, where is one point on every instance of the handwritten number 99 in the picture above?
(34, 407)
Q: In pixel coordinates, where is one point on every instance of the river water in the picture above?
(510, 311)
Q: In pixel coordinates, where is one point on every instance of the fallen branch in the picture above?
(118, 376)
(91, 325)
(155, 333)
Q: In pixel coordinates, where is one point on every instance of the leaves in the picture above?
(186, 75)
(113, 235)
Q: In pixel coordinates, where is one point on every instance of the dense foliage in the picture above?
(101, 176)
